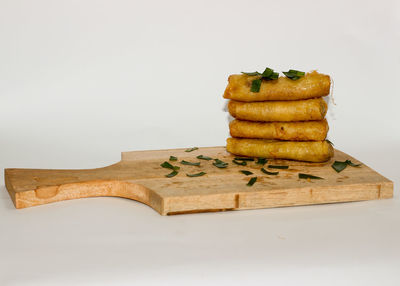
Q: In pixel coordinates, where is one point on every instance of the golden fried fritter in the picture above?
(297, 110)
(295, 131)
(311, 85)
(311, 151)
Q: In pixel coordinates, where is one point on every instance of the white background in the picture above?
(81, 81)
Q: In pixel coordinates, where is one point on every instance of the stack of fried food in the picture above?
(279, 117)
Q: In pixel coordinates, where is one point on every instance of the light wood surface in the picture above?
(138, 176)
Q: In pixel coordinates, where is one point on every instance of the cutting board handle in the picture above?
(31, 187)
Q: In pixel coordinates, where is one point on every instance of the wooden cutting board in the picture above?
(138, 176)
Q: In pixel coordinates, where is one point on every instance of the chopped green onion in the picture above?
(275, 75)
(196, 175)
(255, 85)
(269, 74)
(246, 172)
(173, 158)
(169, 166)
(172, 174)
(262, 161)
(191, 149)
(306, 176)
(294, 74)
(298, 73)
(251, 73)
(277, 167)
(339, 166)
(204, 157)
(244, 159)
(252, 181)
(330, 142)
(183, 162)
(241, 163)
(352, 164)
(269, 173)
(220, 164)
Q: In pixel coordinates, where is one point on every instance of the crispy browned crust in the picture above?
(295, 131)
(269, 111)
(312, 85)
(310, 151)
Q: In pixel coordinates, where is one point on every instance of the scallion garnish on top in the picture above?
(268, 74)
(251, 73)
(294, 74)
(255, 85)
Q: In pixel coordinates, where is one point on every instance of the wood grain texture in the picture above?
(138, 176)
